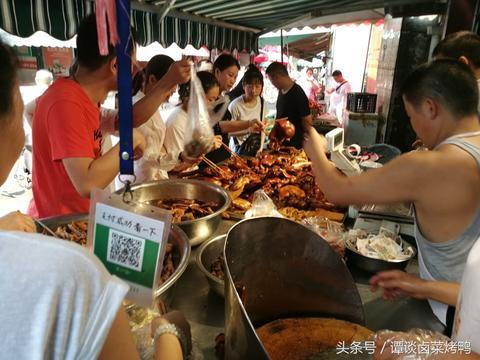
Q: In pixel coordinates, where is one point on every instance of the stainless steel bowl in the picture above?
(180, 258)
(206, 255)
(197, 230)
(374, 265)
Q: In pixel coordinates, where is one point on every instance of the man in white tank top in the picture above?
(443, 184)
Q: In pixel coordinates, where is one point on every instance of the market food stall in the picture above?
(302, 255)
(187, 286)
(189, 290)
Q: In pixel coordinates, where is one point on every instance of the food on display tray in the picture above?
(75, 231)
(299, 215)
(186, 209)
(285, 175)
(309, 338)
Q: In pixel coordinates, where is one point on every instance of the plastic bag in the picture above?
(331, 231)
(199, 136)
(140, 322)
(262, 205)
(219, 109)
(386, 245)
(416, 344)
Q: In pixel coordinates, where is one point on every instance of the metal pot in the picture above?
(180, 240)
(177, 237)
(374, 265)
(287, 271)
(206, 255)
(197, 230)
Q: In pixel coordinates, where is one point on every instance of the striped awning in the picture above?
(221, 24)
(184, 32)
(60, 18)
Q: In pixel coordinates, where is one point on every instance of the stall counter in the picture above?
(205, 310)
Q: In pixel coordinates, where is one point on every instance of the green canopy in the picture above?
(60, 18)
(222, 24)
(275, 40)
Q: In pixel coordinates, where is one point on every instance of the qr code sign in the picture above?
(125, 250)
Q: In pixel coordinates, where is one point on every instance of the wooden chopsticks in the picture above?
(213, 165)
(234, 154)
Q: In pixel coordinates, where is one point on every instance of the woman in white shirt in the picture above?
(248, 107)
(157, 158)
(177, 121)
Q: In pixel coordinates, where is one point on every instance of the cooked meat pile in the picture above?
(217, 268)
(168, 265)
(285, 175)
(186, 209)
(75, 231)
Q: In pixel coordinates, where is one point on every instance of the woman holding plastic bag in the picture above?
(191, 120)
(198, 136)
(225, 69)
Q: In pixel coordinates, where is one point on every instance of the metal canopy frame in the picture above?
(166, 8)
(155, 9)
(263, 16)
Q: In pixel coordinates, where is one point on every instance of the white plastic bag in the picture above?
(218, 109)
(199, 136)
(262, 205)
(331, 231)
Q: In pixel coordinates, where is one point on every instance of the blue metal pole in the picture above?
(124, 81)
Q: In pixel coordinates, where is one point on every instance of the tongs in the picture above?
(46, 228)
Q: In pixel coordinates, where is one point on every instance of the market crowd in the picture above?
(58, 299)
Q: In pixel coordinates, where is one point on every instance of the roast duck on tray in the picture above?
(285, 175)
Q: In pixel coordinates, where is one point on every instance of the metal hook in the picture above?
(128, 192)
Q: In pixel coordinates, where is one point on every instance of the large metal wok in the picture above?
(197, 230)
(287, 271)
(177, 237)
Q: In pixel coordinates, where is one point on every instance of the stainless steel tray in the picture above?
(197, 230)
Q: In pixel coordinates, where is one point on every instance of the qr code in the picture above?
(125, 250)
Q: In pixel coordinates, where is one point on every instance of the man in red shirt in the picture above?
(67, 161)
